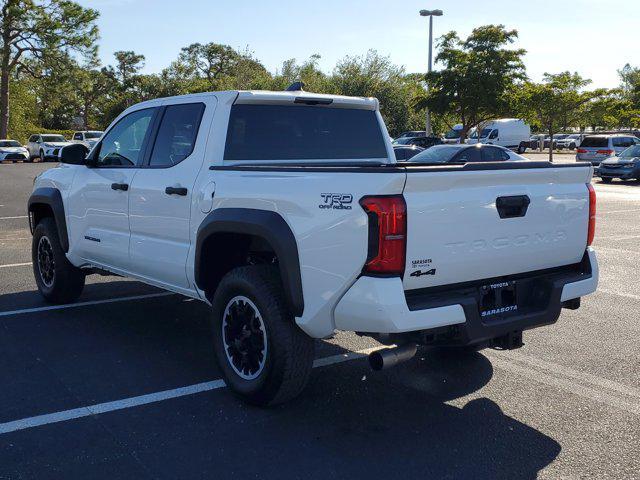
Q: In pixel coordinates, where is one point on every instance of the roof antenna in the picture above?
(296, 87)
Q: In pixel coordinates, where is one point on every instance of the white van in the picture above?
(506, 132)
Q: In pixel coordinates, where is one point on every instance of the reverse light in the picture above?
(591, 230)
(387, 234)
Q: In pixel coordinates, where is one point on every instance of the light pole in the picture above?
(430, 14)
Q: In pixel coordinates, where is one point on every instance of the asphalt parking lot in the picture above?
(123, 384)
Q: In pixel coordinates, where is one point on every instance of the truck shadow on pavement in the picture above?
(397, 424)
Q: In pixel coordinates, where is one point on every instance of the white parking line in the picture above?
(83, 304)
(130, 402)
(13, 218)
(10, 265)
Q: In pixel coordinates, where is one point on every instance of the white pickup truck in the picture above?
(288, 213)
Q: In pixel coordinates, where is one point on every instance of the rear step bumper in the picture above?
(451, 314)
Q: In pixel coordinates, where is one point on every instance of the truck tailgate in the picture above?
(481, 223)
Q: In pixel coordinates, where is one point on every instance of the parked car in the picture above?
(412, 134)
(453, 135)
(595, 148)
(46, 146)
(463, 153)
(625, 166)
(294, 247)
(13, 150)
(87, 137)
(424, 142)
(405, 152)
(571, 141)
(506, 132)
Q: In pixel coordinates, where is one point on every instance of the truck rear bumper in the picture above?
(380, 305)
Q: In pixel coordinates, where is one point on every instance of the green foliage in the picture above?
(478, 77)
(34, 33)
(52, 88)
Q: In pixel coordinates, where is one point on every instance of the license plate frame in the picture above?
(498, 300)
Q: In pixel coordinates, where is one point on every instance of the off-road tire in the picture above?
(289, 353)
(68, 281)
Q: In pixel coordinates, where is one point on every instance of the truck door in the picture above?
(98, 203)
(161, 195)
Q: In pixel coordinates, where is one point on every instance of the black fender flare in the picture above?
(51, 197)
(261, 223)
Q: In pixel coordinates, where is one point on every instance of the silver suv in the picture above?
(595, 148)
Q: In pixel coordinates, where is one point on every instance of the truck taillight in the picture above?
(591, 231)
(387, 234)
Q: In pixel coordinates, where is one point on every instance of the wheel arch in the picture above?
(44, 202)
(265, 227)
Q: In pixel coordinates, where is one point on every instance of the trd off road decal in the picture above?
(424, 267)
(336, 201)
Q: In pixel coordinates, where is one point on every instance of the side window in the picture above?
(177, 134)
(122, 145)
(77, 136)
(492, 154)
(400, 154)
(33, 138)
(494, 134)
(616, 142)
(467, 155)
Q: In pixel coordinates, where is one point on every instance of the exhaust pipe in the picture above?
(390, 357)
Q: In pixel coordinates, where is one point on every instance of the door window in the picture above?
(77, 136)
(493, 154)
(122, 145)
(494, 134)
(33, 138)
(471, 154)
(177, 134)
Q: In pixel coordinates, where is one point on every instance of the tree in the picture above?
(30, 28)
(555, 103)
(478, 76)
(127, 67)
(375, 76)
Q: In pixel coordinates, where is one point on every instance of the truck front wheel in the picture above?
(264, 356)
(57, 279)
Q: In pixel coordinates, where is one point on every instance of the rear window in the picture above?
(302, 132)
(595, 142)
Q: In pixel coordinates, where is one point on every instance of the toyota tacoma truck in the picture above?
(289, 215)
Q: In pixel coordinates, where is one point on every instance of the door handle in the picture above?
(120, 186)
(176, 191)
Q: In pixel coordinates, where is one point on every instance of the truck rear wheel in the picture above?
(57, 279)
(264, 356)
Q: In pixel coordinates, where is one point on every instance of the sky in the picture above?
(592, 37)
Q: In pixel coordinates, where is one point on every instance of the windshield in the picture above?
(436, 154)
(53, 138)
(93, 135)
(485, 133)
(451, 134)
(9, 143)
(631, 152)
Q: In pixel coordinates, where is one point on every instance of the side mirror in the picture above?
(74, 154)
